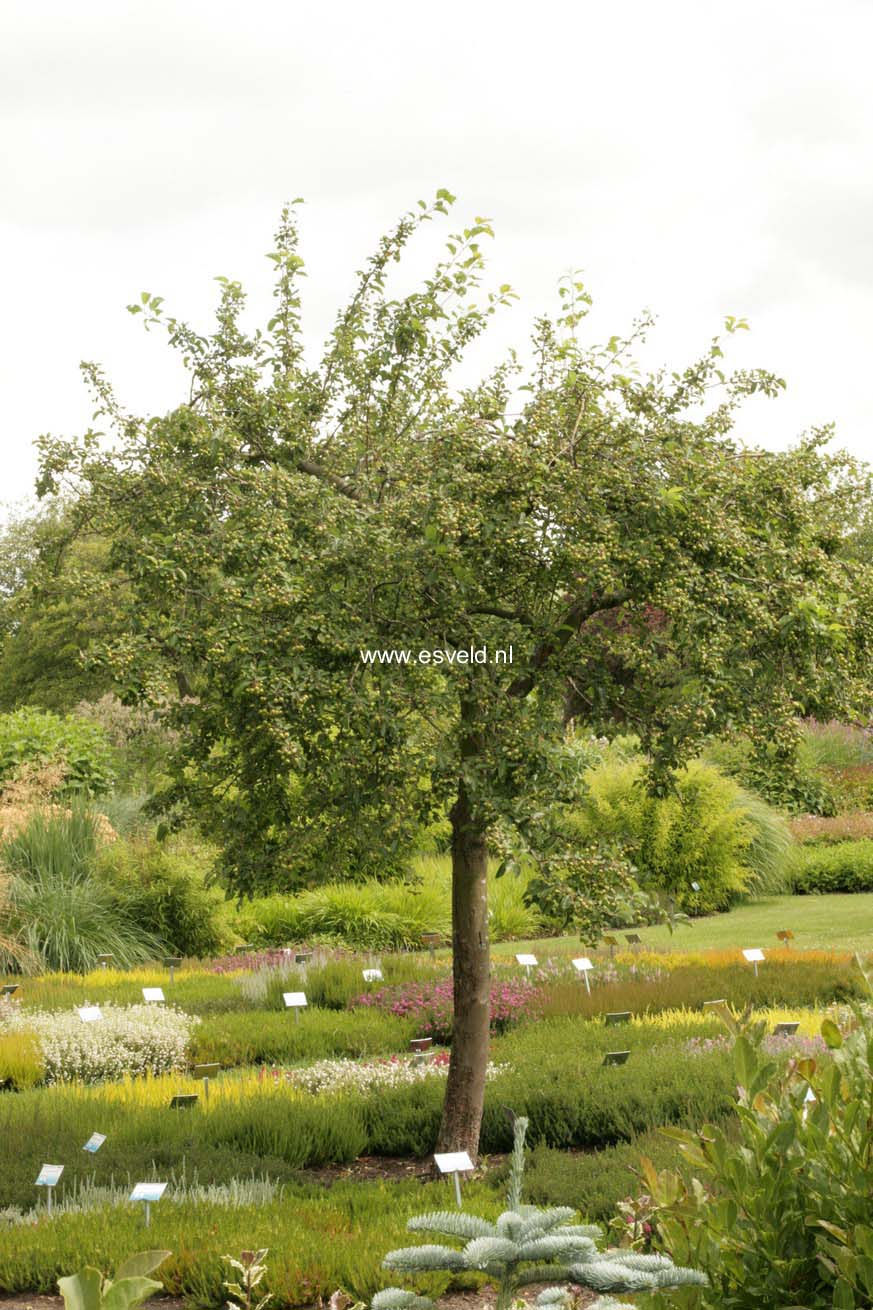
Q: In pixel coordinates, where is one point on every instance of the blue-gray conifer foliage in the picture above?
(528, 1245)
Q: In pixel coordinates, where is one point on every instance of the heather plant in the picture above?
(369, 1075)
(21, 1062)
(525, 1246)
(430, 1004)
(136, 1039)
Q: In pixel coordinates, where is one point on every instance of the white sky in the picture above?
(692, 158)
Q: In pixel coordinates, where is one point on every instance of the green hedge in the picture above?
(845, 867)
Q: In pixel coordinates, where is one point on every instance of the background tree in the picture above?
(49, 572)
(287, 517)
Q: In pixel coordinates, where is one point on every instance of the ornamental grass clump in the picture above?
(528, 1246)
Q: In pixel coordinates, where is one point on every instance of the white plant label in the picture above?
(754, 955)
(94, 1142)
(49, 1175)
(148, 1192)
(89, 1013)
(583, 964)
(294, 999)
(153, 994)
(527, 960)
(453, 1162)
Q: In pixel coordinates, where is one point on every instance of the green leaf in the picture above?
(129, 1292)
(831, 1035)
(138, 1266)
(81, 1291)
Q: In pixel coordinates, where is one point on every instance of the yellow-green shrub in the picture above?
(21, 1064)
(708, 831)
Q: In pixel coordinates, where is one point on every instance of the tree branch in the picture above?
(577, 614)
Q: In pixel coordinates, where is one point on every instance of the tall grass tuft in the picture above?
(768, 855)
(59, 915)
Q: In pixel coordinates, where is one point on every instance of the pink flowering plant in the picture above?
(430, 1004)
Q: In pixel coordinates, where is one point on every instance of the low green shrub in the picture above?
(366, 916)
(164, 888)
(267, 1037)
(780, 982)
(594, 1182)
(383, 916)
(845, 867)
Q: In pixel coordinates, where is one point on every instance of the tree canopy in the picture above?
(602, 525)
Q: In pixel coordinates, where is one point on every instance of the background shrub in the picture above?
(846, 867)
(710, 832)
(36, 737)
(163, 887)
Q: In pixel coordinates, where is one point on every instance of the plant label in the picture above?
(615, 1057)
(529, 961)
(94, 1142)
(453, 1162)
(618, 1016)
(754, 955)
(786, 1029)
(147, 1192)
(372, 975)
(153, 995)
(583, 964)
(294, 1000)
(49, 1175)
(185, 1101)
(90, 1013)
(205, 1070)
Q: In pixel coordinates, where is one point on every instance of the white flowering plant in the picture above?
(365, 1076)
(130, 1039)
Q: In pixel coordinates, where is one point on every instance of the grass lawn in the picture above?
(839, 922)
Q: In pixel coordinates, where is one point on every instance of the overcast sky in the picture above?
(694, 159)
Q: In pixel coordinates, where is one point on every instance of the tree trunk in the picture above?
(465, 1090)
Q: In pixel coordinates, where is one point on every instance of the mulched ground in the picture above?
(485, 1299)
